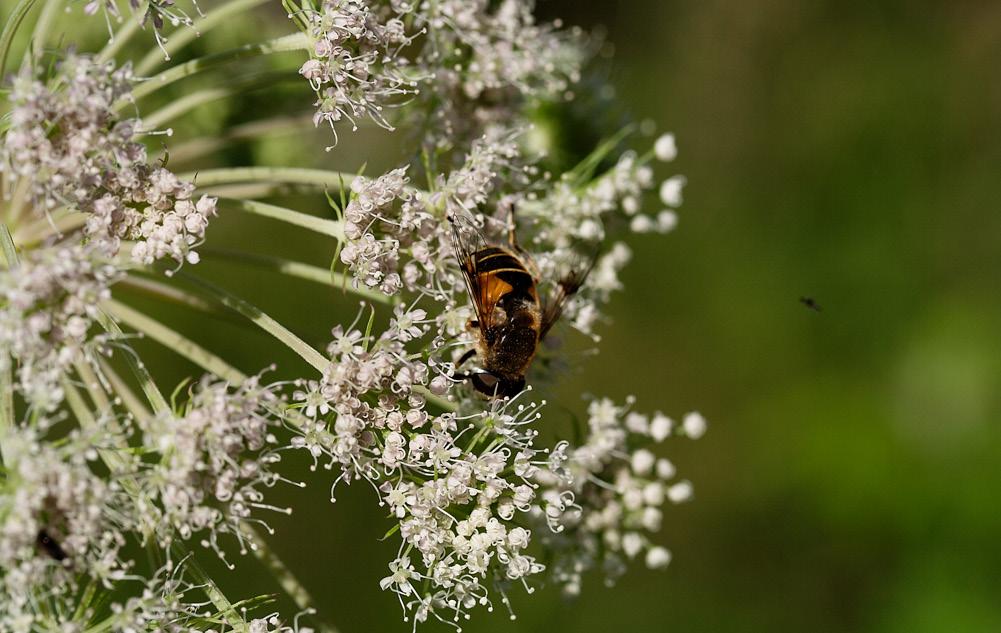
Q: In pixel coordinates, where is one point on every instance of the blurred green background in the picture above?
(845, 150)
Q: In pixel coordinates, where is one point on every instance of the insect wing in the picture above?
(466, 242)
(566, 287)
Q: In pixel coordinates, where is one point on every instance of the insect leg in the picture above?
(512, 236)
(469, 354)
(512, 240)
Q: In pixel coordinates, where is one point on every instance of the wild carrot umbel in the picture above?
(102, 460)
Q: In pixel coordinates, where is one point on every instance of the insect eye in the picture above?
(485, 383)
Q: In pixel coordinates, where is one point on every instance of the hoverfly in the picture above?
(511, 320)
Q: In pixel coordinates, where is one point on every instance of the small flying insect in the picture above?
(49, 545)
(511, 320)
(810, 303)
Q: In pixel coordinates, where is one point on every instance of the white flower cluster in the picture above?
(64, 136)
(212, 463)
(47, 308)
(70, 146)
(376, 389)
(64, 523)
(474, 61)
(606, 496)
(494, 161)
(486, 59)
(356, 68)
(383, 218)
(454, 483)
(457, 484)
(58, 518)
(572, 212)
(579, 208)
(67, 523)
(508, 50)
(155, 209)
(461, 519)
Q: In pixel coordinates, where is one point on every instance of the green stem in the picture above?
(7, 246)
(211, 589)
(181, 38)
(302, 271)
(295, 13)
(6, 401)
(181, 106)
(322, 178)
(187, 348)
(161, 290)
(174, 341)
(94, 387)
(289, 583)
(156, 399)
(18, 201)
(78, 406)
(120, 387)
(40, 34)
(189, 102)
(37, 231)
(261, 319)
(199, 147)
(583, 171)
(323, 226)
(257, 191)
(7, 370)
(293, 42)
(13, 23)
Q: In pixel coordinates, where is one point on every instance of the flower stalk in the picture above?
(319, 178)
(287, 43)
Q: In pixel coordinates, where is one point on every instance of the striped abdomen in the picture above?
(511, 336)
(495, 263)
